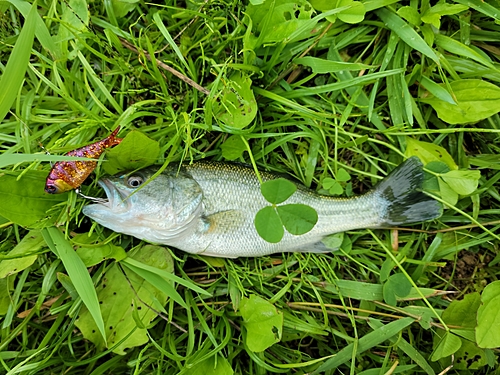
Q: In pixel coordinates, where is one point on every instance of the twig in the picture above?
(162, 65)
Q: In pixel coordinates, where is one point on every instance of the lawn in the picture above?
(333, 94)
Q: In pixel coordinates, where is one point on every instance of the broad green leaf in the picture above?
(355, 13)
(20, 254)
(278, 190)
(447, 192)
(328, 183)
(6, 288)
(262, 321)
(428, 152)
(396, 286)
(95, 253)
(322, 66)
(236, 107)
(364, 343)
(406, 33)
(118, 302)
(277, 20)
(24, 200)
(476, 100)
(333, 241)
(122, 7)
(463, 314)
(342, 175)
(268, 225)
(297, 218)
(233, 147)
(350, 10)
(463, 182)
(78, 274)
(410, 14)
(334, 187)
(134, 152)
(433, 14)
(488, 317)
(15, 70)
(215, 365)
(432, 18)
(448, 345)
(470, 357)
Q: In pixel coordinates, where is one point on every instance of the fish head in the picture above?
(56, 186)
(155, 209)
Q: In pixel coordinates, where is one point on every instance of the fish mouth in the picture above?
(116, 200)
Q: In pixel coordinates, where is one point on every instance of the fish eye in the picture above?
(135, 181)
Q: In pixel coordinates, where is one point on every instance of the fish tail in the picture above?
(112, 140)
(405, 201)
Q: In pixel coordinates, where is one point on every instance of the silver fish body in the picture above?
(209, 208)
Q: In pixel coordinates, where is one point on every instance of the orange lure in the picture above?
(67, 175)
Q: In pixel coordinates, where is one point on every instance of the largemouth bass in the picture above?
(209, 208)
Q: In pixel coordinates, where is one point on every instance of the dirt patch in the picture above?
(464, 270)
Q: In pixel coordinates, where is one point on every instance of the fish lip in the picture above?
(116, 199)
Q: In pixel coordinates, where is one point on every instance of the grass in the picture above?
(178, 72)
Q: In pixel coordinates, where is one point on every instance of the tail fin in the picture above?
(405, 201)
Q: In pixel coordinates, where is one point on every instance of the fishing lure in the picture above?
(68, 175)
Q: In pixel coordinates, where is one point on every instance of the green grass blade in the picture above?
(77, 272)
(41, 31)
(159, 283)
(366, 79)
(366, 342)
(406, 33)
(169, 276)
(482, 7)
(15, 70)
(415, 355)
(169, 39)
(11, 159)
(454, 46)
(437, 90)
(95, 79)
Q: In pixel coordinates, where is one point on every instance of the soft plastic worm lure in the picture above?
(68, 175)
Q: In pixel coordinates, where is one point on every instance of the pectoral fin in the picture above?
(224, 222)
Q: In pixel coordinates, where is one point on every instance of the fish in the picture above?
(68, 175)
(208, 208)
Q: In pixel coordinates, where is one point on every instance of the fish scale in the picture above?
(209, 208)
